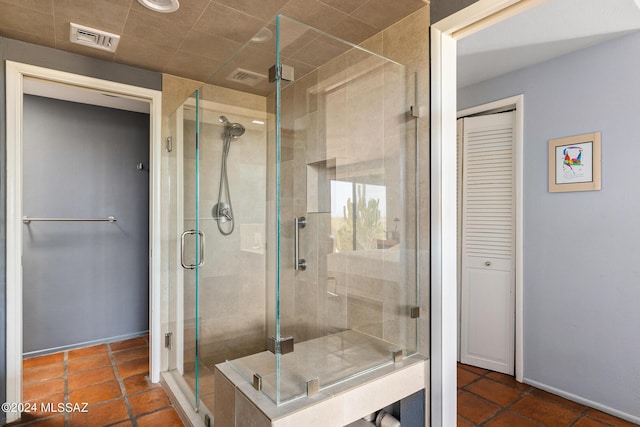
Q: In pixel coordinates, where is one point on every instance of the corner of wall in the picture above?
(3, 192)
(174, 91)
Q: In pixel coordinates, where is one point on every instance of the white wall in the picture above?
(581, 249)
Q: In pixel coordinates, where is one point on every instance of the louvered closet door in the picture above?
(488, 249)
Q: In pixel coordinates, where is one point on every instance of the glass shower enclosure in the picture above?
(294, 217)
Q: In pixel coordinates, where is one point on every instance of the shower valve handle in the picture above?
(299, 263)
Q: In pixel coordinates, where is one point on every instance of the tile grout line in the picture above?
(585, 414)
(502, 408)
(65, 377)
(123, 390)
(506, 408)
(528, 392)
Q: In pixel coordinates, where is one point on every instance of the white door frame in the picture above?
(15, 74)
(444, 36)
(518, 133)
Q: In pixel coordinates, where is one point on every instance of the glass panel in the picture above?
(347, 148)
(344, 155)
(339, 150)
(220, 305)
(191, 242)
(170, 233)
(232, 286)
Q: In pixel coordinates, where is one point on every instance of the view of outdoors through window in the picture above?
(358, 215)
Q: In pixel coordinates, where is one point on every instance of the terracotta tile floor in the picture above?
(490, 399)
(111, 378)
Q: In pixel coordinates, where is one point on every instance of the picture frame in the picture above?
(574, 163)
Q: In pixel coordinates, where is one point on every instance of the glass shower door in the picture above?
(219, 304)
(192, 251)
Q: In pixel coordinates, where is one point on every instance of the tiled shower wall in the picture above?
(370, 291)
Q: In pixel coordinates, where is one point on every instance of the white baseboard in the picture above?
(578, 399)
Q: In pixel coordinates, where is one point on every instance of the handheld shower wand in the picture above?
(223, 210)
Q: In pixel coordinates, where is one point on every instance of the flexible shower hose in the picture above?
(224, 183)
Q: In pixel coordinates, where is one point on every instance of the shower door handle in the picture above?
(201, 252)
(299, 263)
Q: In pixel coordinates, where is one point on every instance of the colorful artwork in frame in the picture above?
(574, 163)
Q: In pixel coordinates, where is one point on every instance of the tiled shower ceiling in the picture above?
(197, 39)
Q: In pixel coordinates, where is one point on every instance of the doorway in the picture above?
(444, 37)
(16, 74)
(85, 225)
(490, 230)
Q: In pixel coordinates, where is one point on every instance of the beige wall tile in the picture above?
(209, 46)
(187, 15)
(140, 53)
(314, 13)
(44, 6)
(216, 20)
(248, 414)
(175, 90)
(405, 41)
(196, 67)
(263, 10)
(22, 20)
(347, 6)
(382, 13)
(225, 394)
(155, 30)
(353, 30)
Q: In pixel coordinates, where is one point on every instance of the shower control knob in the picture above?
(302, 264)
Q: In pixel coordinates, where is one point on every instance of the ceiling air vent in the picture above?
(246, 77)
(94, 38)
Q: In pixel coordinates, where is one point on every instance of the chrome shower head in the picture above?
(233, 130)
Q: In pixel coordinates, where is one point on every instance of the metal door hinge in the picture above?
(416, 111)
(313, 386)
(168, 340)
(414, 312)
(284, 346)
(257, 381)
(169, 144)
(283, 72)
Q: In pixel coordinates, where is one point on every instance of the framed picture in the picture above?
(574, 163)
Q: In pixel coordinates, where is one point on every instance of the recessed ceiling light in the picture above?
(162, 6)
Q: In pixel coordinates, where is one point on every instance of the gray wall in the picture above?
(442, 8)
(51, 58)
(84, 281)
(581, 251)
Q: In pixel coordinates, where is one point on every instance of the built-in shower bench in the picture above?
(352, 363)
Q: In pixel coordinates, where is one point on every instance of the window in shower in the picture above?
(358, 216)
